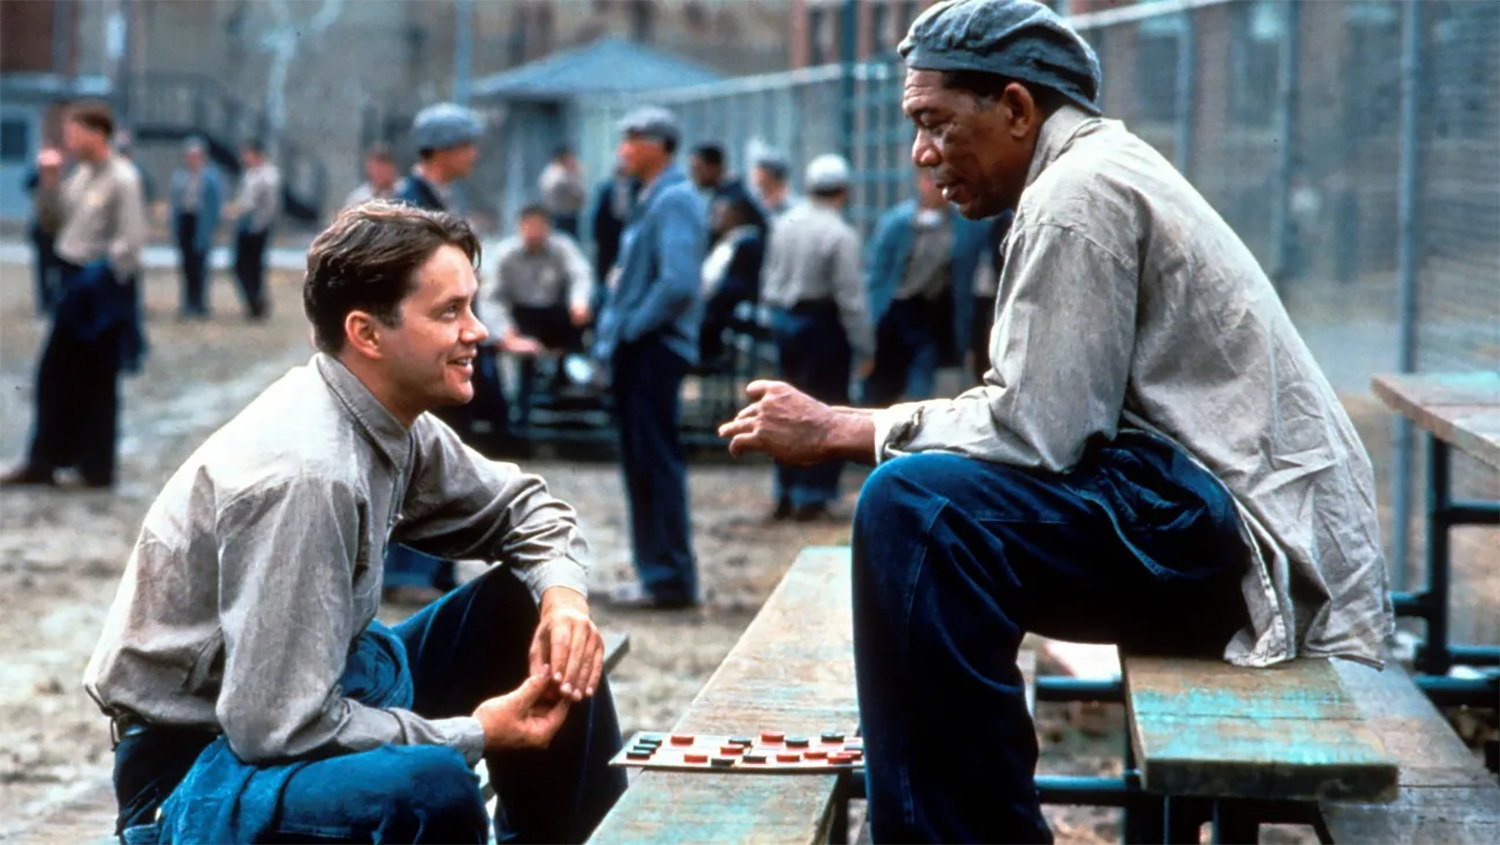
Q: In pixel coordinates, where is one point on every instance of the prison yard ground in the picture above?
(62, 554)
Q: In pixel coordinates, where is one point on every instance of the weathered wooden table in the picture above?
(792, 670)
(1458, 411)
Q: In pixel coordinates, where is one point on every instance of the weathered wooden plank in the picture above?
(1459, 408)
(1201, 727)
(792, 670)
(1446, 795)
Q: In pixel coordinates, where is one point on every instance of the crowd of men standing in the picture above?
(685, 261)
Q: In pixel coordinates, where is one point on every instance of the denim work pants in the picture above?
(194, 267)
(956, 559)
(250, 269)
(812, 355)
(465, 648)
(647, 392)
(908, 343)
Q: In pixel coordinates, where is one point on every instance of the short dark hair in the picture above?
(534, 209)
(367, 259)
(93, 114)
(562, 152)
(988, 87)
(710, 154)
(829, 193)
(253, 145)
(775, 169)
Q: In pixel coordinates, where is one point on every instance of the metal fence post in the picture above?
(1286, 129)
(1187, 85)
(1407, 222)
(848, 33)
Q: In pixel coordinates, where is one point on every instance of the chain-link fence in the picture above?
(1354, 146)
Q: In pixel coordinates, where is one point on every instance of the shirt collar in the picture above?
(1054, 138)
(380, 425)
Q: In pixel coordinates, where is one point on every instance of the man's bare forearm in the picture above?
(851, 436)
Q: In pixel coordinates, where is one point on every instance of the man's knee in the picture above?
(903, 486)
(435, 785)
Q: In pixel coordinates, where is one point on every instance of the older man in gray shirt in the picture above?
(255, 693)
(1154, 459)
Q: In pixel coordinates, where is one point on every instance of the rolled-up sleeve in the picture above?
(463, 505)
(287, 554)
(1061, 358)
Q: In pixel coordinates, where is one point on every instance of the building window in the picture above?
(15, 140)
(1257, 30)
(1158, 41)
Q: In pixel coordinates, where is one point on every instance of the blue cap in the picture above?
(445, 125)
(651, 122)
(1017, 39)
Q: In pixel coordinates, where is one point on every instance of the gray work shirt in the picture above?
(927, 269)
(260, 197)
(1126, 301)
(103, 215)
(814, 254)
(556, 274)
(563, 190)
(262, 560)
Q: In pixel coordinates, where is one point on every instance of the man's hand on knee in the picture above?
(567, 648)
(526, 718)
(795, 428)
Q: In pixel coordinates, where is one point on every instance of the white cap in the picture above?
(827, 172)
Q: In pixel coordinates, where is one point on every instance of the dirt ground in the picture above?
(62, 552)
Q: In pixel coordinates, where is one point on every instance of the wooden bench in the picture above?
(1244, 746)
(793, 670)
(1458, 411)
(1443, 793)
(1360, 754)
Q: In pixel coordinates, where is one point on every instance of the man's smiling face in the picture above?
(430, 353)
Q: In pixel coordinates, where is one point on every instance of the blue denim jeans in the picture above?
(956, 559)
(647, 392)
(908, 346)
(462, 649)
(812, 355)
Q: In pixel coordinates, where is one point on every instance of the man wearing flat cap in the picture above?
(1154, 458)
(648, 337)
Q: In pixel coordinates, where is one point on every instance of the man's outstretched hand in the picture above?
(795, 428)
(568, 649)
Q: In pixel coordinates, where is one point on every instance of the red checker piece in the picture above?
(788, 758)
(728, 750)
(772, 736)
(682, 739)
(815, 754)
(840, 757)
(695, 758)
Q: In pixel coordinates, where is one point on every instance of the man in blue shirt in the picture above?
(648, 337)
(197, 202)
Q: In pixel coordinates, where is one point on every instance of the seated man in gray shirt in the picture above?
(1154, 458)
(253, 692)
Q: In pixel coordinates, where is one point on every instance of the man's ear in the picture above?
(1021, 109)
(362, 333)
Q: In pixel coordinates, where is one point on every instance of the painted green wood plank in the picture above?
(1446, 795)
(792, 670)
(1289, 732)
